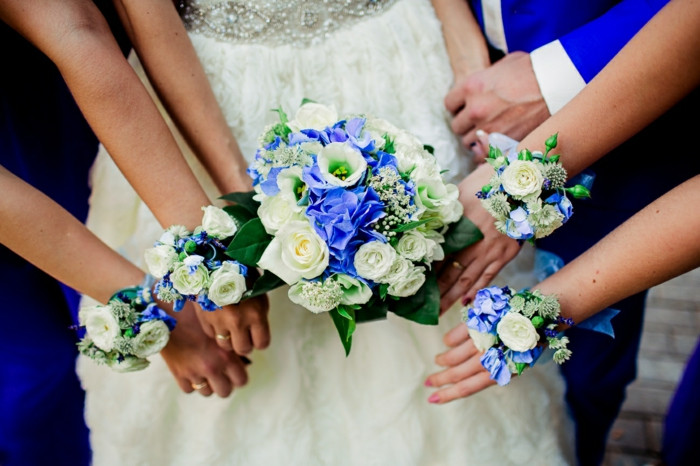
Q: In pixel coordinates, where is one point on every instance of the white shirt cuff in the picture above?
(556, 74)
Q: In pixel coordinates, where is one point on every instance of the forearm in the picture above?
(176, 73)
(651, 73)
(75, 36)
(658, 243)
(466, 45)
(45, 234)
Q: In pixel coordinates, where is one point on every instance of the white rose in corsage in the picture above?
(101, 325)
(129, 364)
(517, 332)
(522, 179)
(482, 341)
(160, 259)
(341, 165)
(217, 223)
(295, 252)
(373, 260)
(227, 284)
(152, 337)
(190, 276)
(313, 116)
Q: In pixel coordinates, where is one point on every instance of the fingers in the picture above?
(463, 389)
(241, 340)
(455, 99)
(201, 385)
(463, 122)
(236, 371)
(457, 355)
(456, 336)
(454, 374)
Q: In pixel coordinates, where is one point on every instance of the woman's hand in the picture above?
(239, 327)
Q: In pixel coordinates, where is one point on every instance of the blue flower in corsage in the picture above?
(194, 266)
(125, 332)
(527, 195)
(512, 330)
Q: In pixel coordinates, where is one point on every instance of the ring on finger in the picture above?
(199, 386)
(457, 265)
(223, 336)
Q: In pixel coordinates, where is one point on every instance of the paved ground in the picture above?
(671, 330)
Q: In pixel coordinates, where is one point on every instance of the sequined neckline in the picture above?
(269, 22)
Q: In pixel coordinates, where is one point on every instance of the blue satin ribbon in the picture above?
(547, 263)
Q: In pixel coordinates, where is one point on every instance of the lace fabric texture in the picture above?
(306, 403)
(271, 22)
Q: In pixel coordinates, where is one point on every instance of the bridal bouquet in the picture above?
(194, 266)
(512, 329)
(125, 332)
(351, 214)
(527, 196)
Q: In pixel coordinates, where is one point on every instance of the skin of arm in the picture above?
(64, 248)
(166, 52)
(665, 56)
(466, 45)
(615, 105)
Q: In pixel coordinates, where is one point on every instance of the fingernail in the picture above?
(428, 383)
(466, 300)
(245, 360)
(472, 144)
(480, 133)
(434, 398)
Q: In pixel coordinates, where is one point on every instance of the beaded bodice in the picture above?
(274, 22)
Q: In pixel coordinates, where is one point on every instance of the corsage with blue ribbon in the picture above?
(126, 331)
(512, 329)
(527, 195)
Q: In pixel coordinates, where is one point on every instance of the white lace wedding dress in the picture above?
(306, 403)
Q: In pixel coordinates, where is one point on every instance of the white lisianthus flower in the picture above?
(160, 259)
(354, 291)
(187, 281)
(340, 164)
(129, 364)
(313, 116)
(482, 340)
(517, 332)
(276, 211)
(152, 337)
(412, 245)
(227, 284)
(433, 195)
(522, 179)
(409, 284)
(373, 260)
(101, 326)
(290, 183)
(296, 252)
(217, 223)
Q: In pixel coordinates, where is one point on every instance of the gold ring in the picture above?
(199, 386)
(457, 265)
(223, 337)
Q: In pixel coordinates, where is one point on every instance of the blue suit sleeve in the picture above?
(593, 45)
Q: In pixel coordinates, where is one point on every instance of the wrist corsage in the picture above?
(129, 329)
(194, 266)
(527, 196)
(512, 329)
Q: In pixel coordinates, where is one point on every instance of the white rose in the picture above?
(177, 231)
(517, 332)
(354, 291)
(373, 260)
(340, 164)
(409, 284)
(451, 211)
(129, 364)
(217, 223)
(227, 284)
(189, 283)
(313, 116)
(522, 178)
(275, 211)
(160, 259)
(381, 127)
(101, 326)
(399, 268)
(433, 195)
(412, 245)
(295, 252)
(435, 251)
(482, 341)
(152, 337)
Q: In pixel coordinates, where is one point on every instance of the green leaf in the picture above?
(424, 306)
(520, 366)
(525, 155)
(460, 235)
(345, 327)
(383, 288)
(244, 200)
(494, 152)
(249, 243)
(282, 115)
(429, 148)
(411, 225)
(388, 145)
(266, 282)
(239, 214)
(376, 310)
(307, 101)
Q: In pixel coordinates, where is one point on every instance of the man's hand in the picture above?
(503, 98)
(239, 327)
(461, 275)
(464, 375)
(197, 362)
